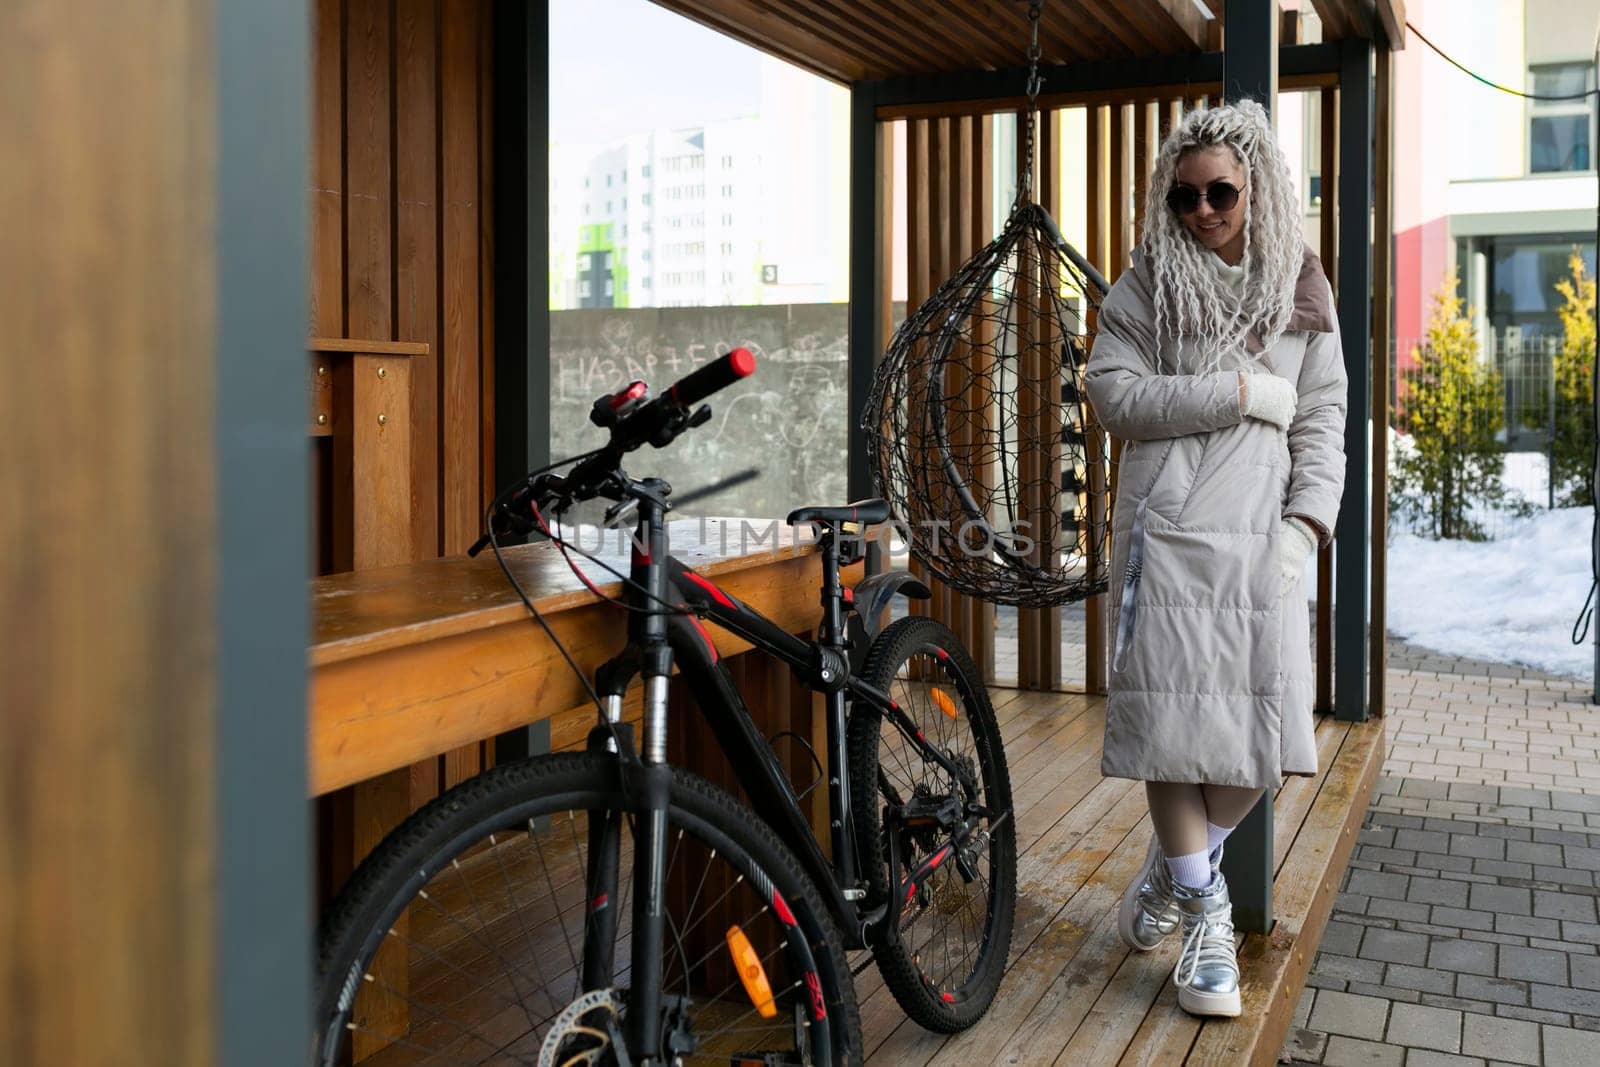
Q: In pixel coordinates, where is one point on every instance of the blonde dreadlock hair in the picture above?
(1191, 297)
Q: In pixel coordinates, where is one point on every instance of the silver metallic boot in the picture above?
(1148, 913)
(1207, 975)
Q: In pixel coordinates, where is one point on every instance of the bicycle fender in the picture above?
(873, 594)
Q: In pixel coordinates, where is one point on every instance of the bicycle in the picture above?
(922, 838)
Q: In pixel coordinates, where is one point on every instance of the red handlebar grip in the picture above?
(716, 375)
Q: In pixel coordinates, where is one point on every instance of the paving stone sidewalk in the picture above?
(1467, 930)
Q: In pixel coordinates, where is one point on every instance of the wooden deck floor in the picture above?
(1073, 994)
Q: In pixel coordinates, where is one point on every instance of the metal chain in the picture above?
(1025, 186)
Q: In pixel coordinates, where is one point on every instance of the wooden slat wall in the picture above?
(949, 189)
(400, 171)
(399, 177)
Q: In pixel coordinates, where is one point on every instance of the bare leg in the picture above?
(1227, 805)
(1178, 811)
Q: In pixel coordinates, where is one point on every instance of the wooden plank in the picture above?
(1392, 15)
(1196, 92)
(888, 169)
(773, 33)
(108, 678)
(981, 613)
(1028, 462)
(936, 269)
(417, 250)
(1045, 508)
(1334, 16)
(1143, 155)
(488, 486)
(380, 435)
(459, 354)
(918, 253)
(1095, 647)
(319, 395)
(366, 460)
(1188, 20)
(957, 220)
(848, 32)
(367, 346)
(327, 169)
(1118, 188)
(368, 235)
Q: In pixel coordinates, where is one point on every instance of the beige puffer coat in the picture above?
(1212, 676)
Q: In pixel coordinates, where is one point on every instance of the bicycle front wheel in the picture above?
(461, 939)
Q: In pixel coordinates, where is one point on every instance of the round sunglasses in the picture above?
(1185, 199)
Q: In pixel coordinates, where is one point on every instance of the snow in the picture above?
(1511, 600)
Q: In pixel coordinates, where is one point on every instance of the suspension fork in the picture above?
(601, 903)
(650, 799)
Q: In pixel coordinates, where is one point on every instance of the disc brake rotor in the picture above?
(579, 1036)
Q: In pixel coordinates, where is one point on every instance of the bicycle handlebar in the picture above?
(634, 420)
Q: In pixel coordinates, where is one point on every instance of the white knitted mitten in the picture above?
(1270, 398)
(1296, 541)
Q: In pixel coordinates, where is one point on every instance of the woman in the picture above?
(1217, 362)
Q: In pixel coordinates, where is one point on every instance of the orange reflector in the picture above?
(946, 705)
(751, 973)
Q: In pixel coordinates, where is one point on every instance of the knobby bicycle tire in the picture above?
(938, 995)
(518, 794)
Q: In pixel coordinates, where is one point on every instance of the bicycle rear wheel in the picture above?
(944, 958)
(460, 940)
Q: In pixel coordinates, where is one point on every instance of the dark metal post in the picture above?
(1594, 380)
(867, 218)
(263, 823)
(1250, 51)
(1250, 69)
(1350, 547)
(522, 266)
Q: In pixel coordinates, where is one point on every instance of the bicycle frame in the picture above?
(657, 639)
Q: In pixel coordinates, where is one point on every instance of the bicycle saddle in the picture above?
(870, 511)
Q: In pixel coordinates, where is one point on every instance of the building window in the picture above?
(608, 181)
(644, 171)
(1560, 132)
(645, 199)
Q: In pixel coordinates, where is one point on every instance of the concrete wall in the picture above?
(788, 419)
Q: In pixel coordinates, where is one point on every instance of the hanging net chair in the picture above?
(975, 424)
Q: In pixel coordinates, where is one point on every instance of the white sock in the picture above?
(1216, 835)
(1192, 870)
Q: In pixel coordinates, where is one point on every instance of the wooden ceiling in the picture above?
(866, 40)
